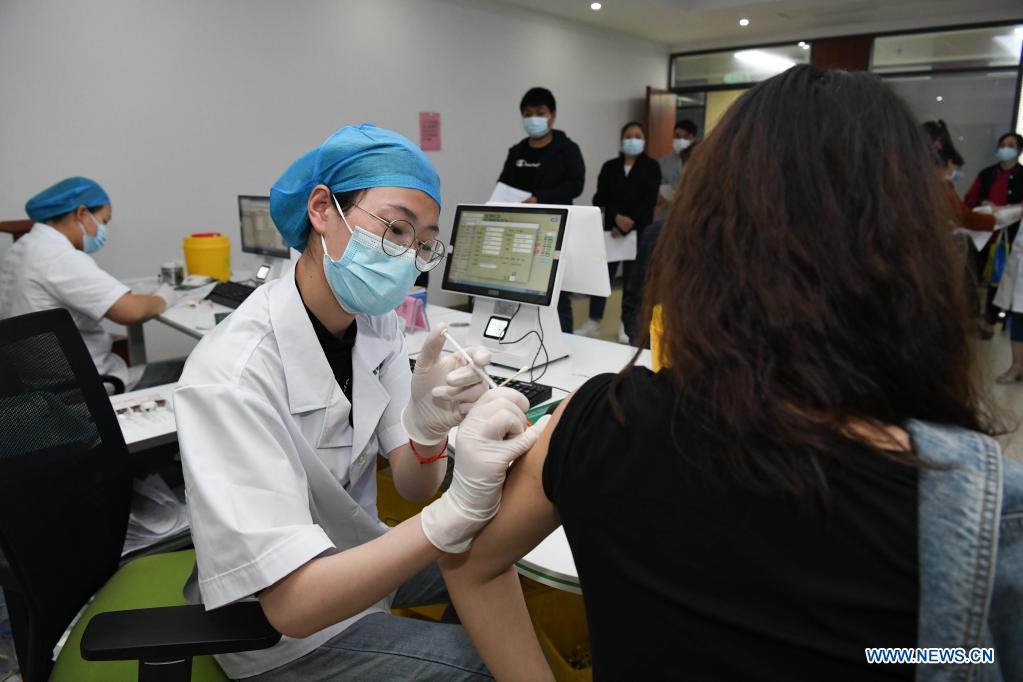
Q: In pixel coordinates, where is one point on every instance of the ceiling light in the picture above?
(764, 61)
(744, 22)
(939, 98)
(595, 6)
(803, 44)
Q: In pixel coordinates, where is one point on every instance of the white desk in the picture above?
(551, 562)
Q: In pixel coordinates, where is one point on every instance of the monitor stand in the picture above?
(278, 266)
(525, 318)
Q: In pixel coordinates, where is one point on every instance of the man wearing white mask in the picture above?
(671, 164)
(547, 164)
(284, 407)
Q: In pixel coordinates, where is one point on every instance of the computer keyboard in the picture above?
(535, 393)
(230, 294)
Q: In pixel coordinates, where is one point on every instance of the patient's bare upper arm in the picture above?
(525, 518)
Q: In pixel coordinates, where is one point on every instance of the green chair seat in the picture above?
(145, 582)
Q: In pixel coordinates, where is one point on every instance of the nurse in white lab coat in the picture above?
(52, 267)
(282, 410)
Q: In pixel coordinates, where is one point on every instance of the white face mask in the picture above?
(680, 145)
(536, 126)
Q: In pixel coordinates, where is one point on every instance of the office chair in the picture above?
(65, 495)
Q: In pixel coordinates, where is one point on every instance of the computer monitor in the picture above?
(506, 253)
(259, 235)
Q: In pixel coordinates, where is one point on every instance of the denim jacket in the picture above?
(970, 553)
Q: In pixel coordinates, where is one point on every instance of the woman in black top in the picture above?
(627, 191)
(750, 511)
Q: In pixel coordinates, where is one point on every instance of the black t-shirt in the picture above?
(524, 169)
(338, 350)
(689, 575)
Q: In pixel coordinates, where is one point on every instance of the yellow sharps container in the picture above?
(208, 253)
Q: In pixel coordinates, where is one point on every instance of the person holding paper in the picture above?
(52, 267)
(627, 191)
(546, 165)
(1000, 184)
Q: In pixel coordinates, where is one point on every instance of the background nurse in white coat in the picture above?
(1010, 296)
(52, 267)
(282, 410)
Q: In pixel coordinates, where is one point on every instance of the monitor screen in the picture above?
(505, 253)
(259, 235)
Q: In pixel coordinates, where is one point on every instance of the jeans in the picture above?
(632, 291)
(565, 312)
(1016, 327)
(160, 373)
(381, 646)
(597, 303)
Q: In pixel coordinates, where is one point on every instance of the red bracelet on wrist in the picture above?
(430, 460)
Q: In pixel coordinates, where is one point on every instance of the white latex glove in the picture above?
(444, 389)
(167, 293)
(481, 464)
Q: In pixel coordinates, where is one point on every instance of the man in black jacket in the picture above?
(547, 164)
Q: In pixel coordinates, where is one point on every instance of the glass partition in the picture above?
(736, 67)
(977, 48)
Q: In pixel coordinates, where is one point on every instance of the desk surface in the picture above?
(551, 562)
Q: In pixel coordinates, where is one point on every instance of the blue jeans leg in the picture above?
(385, 647)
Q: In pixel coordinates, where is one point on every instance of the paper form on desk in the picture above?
(979, 238)
(620, 248)
(507, 194)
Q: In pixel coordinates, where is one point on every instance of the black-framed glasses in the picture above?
(400, 236)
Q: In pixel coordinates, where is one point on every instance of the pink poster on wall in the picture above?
(429, 131)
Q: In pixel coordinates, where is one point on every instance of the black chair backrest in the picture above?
(65, 481)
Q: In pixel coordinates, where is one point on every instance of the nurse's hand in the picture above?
(167, 293)
(494, 434)
(444, 389)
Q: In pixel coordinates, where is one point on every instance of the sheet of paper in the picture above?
(978, 237)
(509, 195)
(429, 131)
(622, 248)
(194, 295)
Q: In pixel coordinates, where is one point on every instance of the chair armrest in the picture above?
(177, 632)
(113, 381)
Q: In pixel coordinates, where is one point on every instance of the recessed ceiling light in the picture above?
(595, 6)
(803, 44)
(939, 98)
(744, 22)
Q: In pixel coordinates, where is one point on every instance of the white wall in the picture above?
(178, 107)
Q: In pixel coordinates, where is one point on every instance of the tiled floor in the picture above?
(995, 357)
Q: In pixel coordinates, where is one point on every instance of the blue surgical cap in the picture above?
(355, 157)
(64, 197)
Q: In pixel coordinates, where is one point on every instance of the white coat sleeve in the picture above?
(246, 490)
(396, 377)
(81, 285)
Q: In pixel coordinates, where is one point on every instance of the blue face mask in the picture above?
(536, 126)
(367, 280)
(90, 243)
(633, 146)
(1006, 154)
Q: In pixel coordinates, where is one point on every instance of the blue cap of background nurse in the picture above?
(64, 197)
(355, 157)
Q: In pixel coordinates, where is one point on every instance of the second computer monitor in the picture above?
(506, 253)
(259, 235)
